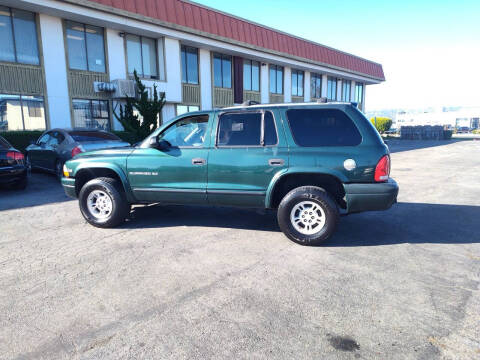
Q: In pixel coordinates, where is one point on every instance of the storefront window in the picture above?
(91, 114)
(21, 112)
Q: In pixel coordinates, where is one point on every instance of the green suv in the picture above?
(310, 162)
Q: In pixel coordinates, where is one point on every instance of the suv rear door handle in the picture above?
(276, 162)
(199, 161)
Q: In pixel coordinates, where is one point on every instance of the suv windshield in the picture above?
(92, 136)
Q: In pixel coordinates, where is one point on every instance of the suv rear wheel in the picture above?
(308, 215)
(103, 203)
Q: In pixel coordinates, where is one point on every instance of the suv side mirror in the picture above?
(160, 144)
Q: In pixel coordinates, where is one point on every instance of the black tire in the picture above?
(314, 195)
(113, 189)
(59, 169)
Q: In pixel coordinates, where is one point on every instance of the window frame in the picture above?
(262, 129)
(183, 50)
(110, 124)
(14, 41)
(222, 59)
(142, 76)
(298, 72)
(276, 69)
(105, 60)
(183, 118)
(323, 146)
(313, 88)
(23, 105)
(251, 62)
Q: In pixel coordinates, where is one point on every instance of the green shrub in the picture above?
(447, 134)
(21, 139)
(382, 124)
(128, 136)
(476, 131)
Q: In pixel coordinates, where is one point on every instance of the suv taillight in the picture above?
(76, 150)
(382, 170)
(13, 155)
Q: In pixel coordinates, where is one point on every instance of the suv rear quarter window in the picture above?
(245, 129)
(322, 127)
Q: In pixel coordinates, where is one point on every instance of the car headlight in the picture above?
(66, 171)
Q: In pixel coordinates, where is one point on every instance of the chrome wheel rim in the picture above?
(99, 204)
(308, 217)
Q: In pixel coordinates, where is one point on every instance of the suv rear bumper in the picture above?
(69, 187)
(371, 197)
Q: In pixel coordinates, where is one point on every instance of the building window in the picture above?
(91, 114)
(86, 50)
(359, 95)
(346, 90)
(189, 57)
(316, 86)
(141, 56)
(183, 109)
(21, 112)
(331, 88)
(18, 34)
(276, 79)
(297, 83)
(251, 75)
(222, 71)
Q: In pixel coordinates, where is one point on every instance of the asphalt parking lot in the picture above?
(200, 283)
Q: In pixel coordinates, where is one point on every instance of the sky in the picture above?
(430, 50)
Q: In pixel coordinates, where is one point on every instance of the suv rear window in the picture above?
(244, 129)
(322, 127)
(92, 136)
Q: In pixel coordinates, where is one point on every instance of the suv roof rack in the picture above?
(250, 103)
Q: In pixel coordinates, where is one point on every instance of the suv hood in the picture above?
(111, 152)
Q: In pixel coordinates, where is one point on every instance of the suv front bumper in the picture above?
(370, 197)
(69, 187)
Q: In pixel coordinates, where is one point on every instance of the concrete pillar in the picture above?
(306, 87)
(324, 85)
(205, 79)
(55, 71)
(264, 84)
(168, 113)
(287, 84)
(339, 89)
(363, 97)
(173, 67)
(352, 91)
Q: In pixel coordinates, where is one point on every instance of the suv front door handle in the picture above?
(276, 162)
(199, 161)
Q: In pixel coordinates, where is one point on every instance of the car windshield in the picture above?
(4, 143)
(81, 136)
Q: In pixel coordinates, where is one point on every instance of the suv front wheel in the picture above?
(308, 215)
(103, 203)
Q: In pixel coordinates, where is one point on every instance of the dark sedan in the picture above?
(56, 146)
(13, 170)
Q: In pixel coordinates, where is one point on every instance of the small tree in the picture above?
(382, 124)
(149, 110)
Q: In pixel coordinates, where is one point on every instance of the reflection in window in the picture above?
(316, 82)
(91, 114)
(297, 83)
(222, 71)
(18, 34)
(276, 79)
(186, 132)
(251, 75)
(21, 112)
(142, 56)
(189, 57)
(85, 47)
(183, 109)
(331, 88)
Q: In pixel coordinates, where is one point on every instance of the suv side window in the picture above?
(245, 129)
(187, 132)
(322, 127)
